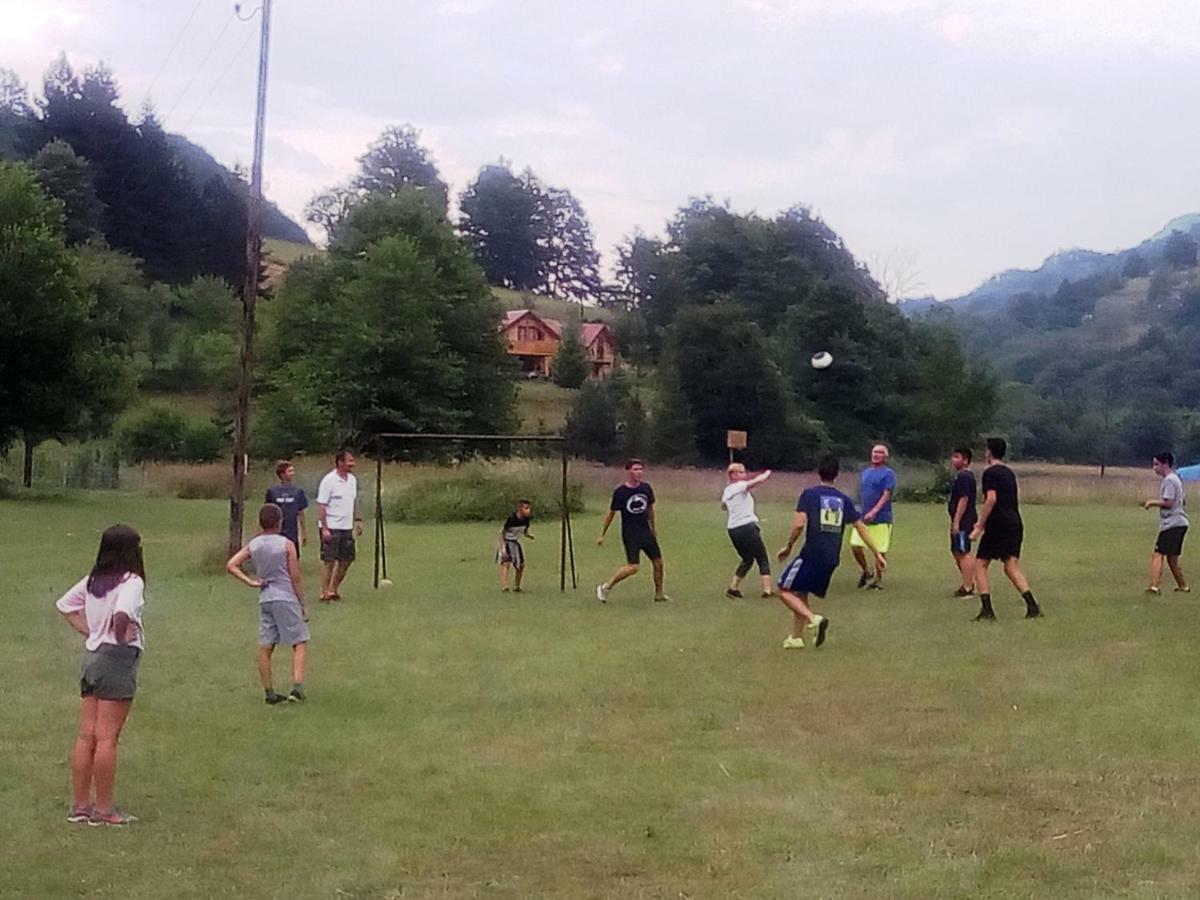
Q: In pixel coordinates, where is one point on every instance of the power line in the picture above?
(175, 46)
(207, 56)
(221, 80)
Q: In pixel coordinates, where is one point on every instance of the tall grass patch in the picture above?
(482, 492)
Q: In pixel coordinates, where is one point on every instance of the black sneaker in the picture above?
(1033, 612)
(964, 592)
(874, 586)
(863, 579)
(821, 629)
(985, 615)
(273, 698)
(734, 594)
(296, 696)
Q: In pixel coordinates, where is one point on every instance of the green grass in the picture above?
(287, 252)
(462, 743)
(554, 307)
(542, 406)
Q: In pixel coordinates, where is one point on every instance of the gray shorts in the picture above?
(339, 546)
(281, 622)
(110, 672)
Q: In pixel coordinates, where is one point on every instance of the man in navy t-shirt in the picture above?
(823, 512)
(634, 500)
(292, 500)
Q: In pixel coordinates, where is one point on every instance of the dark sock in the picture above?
(1030, 603)
(270, 692)
(985, 603)
(298, 686)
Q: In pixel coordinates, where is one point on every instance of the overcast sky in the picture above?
(948, 138)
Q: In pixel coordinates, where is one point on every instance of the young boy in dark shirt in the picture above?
(510, 551)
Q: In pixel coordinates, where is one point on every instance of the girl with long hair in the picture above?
(106, 608)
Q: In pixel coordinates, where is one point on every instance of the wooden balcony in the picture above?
(532, 348)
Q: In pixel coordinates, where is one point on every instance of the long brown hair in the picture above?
(119, 556)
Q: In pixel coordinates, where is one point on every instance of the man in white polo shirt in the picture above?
(337, 514)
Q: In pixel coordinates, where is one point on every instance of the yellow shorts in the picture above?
(881, 536)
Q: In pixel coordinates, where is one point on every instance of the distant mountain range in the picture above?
(1065, 265)
(200, 164)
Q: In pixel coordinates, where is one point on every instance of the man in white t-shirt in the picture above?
(337, 514)
(738, 502)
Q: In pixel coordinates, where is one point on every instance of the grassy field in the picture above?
(463, 743)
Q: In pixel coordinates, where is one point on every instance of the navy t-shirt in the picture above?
(633, 503)
(829, 511)
(963, 486)
(293, 501)
(874, 483)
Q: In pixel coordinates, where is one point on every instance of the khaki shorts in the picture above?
(881, 535)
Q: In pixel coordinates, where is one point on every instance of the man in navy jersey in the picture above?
(823, 512)
(634, 500)
(292, 501)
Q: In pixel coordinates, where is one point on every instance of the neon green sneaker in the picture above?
(820, 625)
(793, 643)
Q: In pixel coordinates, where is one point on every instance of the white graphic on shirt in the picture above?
(637, 504)
(832, 513)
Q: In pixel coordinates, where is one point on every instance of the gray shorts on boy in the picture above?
(281, 622)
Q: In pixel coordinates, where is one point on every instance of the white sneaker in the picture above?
(602, 593)
(793, 643)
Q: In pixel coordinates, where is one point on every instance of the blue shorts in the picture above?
(960, 542)
(802, 577)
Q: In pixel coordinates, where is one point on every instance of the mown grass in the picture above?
(463, 743)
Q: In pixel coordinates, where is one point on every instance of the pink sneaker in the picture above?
(113, 817)
(79, 815)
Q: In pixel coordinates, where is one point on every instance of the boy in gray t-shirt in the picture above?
(282, 615)
(1172, 523)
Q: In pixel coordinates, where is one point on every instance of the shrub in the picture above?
(154, 434)
(162, 434)
(484, 492)
(935, 490)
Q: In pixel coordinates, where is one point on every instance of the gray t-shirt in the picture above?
(1176, 516)
(269, 552)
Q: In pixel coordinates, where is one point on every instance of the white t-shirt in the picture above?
(126, 597)
(739, 503)
(337, 495)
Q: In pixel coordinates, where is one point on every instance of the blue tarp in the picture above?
(1189, 473)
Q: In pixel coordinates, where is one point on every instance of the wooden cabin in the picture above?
(535, 339)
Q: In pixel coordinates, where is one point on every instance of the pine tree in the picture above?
(672, 426)
(570, 368)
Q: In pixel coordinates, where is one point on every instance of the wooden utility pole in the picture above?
(237, 493)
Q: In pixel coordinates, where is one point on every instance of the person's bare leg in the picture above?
(984, 588)
(339, 575)
(656, 566)
(264, 666)
(768, 586)
(878, 579)
(621, 574)
(327, 567)
(110, 719)
(299, 661)
(966, 570)
(1156, 566)
(519, 573)
(1012, 568)
(81, 758)
(800, 610)
(736, 582)
(860, 557)
(1177, 572)
(504, 576)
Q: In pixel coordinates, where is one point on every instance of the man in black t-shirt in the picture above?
(1000, 532)
(634, 500)
(962, 519)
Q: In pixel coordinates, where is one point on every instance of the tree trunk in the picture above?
(27, 471)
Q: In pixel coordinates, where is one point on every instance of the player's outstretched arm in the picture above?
(234, 568)
(758, 479)
(799, 521)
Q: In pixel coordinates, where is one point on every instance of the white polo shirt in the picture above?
(337, 495)
(739, 503)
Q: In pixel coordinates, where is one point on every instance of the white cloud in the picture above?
(462, 7)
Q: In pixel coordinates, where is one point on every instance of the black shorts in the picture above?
(637, 544)
(1001, 543)
(339, 546)
(748, 542)
(1170, 541)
